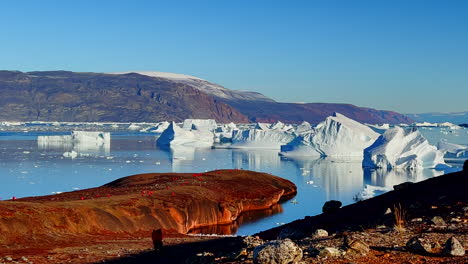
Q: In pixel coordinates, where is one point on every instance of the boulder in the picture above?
(419, 245)
(277, 252)
(253, 241)
(320, 233)
(438, 221)
(453, 247)
(331, 206)
(330, 252)
(355, 246)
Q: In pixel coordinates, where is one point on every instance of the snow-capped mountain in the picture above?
(204, 86)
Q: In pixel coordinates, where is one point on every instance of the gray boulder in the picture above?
(419, 245)
(320, 233)
(438, 221)
(330, 252)
(253, 241)
(453, 247)
(277, 252)
(356, 246)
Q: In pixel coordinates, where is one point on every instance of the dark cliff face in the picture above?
(67, 96)
(86, 97)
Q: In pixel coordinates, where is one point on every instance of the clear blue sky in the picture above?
(407, 56)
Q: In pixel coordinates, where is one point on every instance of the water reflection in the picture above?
(340, 179)
(244, 218)
(388, 178)
(257, 160)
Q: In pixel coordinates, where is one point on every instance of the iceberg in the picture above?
(77, 142)
(174, 135)
(303, 128)
(159, 128)
(261, 138)
(338, 136)
(402, 149)
(262, 126)
(453, 151)
(199, 124)
(223, 133)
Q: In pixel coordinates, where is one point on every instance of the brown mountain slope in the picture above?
(67, 96)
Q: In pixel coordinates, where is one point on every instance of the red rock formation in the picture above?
(144, 202)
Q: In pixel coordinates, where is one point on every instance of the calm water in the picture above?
(27, 169)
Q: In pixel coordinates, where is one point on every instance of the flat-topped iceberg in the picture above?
(199, 124)
(403, 149)
(78, 142)
(175, 135)
(82, 137)
(261, 138)
(337, 136)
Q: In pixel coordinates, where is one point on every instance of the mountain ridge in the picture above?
(134, 97)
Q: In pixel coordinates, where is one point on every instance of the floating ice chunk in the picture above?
(337, 136)
(133, 127)
(262, 126)
(91, 137)
(159, 128)
(260, 138)
(403, 149)
(424, 124)
(453, 151)
(449, 125)
(379, 128)
(199, 124)
(174, 135)
(303, 128)
(277, 125)
(70, 154)
(370, 191)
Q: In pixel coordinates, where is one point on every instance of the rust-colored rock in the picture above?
(170, 201)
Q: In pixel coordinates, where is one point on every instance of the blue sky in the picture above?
(407, 56)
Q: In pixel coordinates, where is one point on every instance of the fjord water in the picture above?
(29, 169)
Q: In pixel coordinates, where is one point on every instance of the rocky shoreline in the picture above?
(425, 222)
(131, 207)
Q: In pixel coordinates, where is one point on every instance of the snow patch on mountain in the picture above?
(204, 86)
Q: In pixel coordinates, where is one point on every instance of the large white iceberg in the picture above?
(403, 149)
(78, 142)
(261, 138)
(174, 135)
(338, 136)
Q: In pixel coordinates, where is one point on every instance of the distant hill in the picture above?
(153, 96)
(456, 117)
